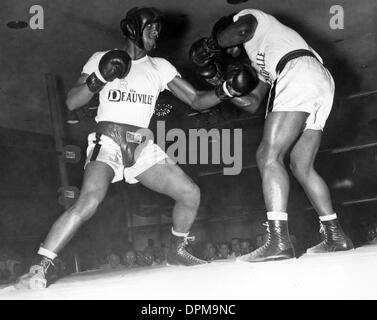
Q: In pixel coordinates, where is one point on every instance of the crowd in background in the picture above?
(12, 264)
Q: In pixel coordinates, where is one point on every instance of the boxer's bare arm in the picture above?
(253, 100)
(80, 94)
(198, 100)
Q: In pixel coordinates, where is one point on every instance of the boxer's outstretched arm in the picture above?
(80, 94)
(198, 100)
(253, 100)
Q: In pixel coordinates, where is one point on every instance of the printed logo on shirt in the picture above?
(130, 96)
(123, 84)
(262, 67)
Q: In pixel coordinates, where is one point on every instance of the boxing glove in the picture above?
(114, 64)
(201, 54)
(239, 81)
(211, 73)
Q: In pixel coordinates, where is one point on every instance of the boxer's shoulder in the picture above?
(160, 64)
(96, 56)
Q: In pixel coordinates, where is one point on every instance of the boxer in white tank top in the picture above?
(301, 96)
(128, 82)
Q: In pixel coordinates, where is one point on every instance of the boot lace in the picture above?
(45, 264)
(322, 229)
(265, 245)
(187, 255)
(188, 239)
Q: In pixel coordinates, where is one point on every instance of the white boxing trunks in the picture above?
(305, 85)
(104, 149)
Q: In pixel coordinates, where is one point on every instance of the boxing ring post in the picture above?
(125, 200)
(56, 121)
(56, 126)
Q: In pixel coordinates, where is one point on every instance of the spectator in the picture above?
(161, 257)
(235, 247)
(129, 259)
(149, 258)
(113, 262)
(140, 258)
(209, 252)
(224, 251)
(217, 246)
(259, 240)
(18, 270)
(246, 247)
(371, 235)
(6, 277)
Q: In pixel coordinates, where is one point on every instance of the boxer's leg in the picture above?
(97, 178)
(281, 130)
(169, 179)
(301, 162)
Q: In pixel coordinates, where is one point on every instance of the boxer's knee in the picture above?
(85, 207)
(268, 156)
(261, 156)
(190, 195)
(300, 169)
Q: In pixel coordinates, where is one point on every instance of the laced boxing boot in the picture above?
(40, 275)
(334, 238)
(178, 255)
(277, 247)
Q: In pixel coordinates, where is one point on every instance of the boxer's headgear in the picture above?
(136, 20)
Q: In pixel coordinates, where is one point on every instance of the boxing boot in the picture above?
(40, 275)
(277, 247)
(178, 255)
(334, 238)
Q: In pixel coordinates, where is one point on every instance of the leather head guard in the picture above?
(136, 20)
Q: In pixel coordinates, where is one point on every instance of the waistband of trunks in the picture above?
(293, 55)
(122, 133)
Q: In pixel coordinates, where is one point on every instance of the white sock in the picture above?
(47, 253)
(179, 234)
(328, 218)
(277, 215)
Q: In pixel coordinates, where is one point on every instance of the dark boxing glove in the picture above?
(211, 73)
(239, 81)
(201, 54)
(114, 64)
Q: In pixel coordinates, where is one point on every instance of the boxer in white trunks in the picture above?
(301, 92)
(128, 82)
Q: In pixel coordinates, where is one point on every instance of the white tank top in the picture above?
(271, 41)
